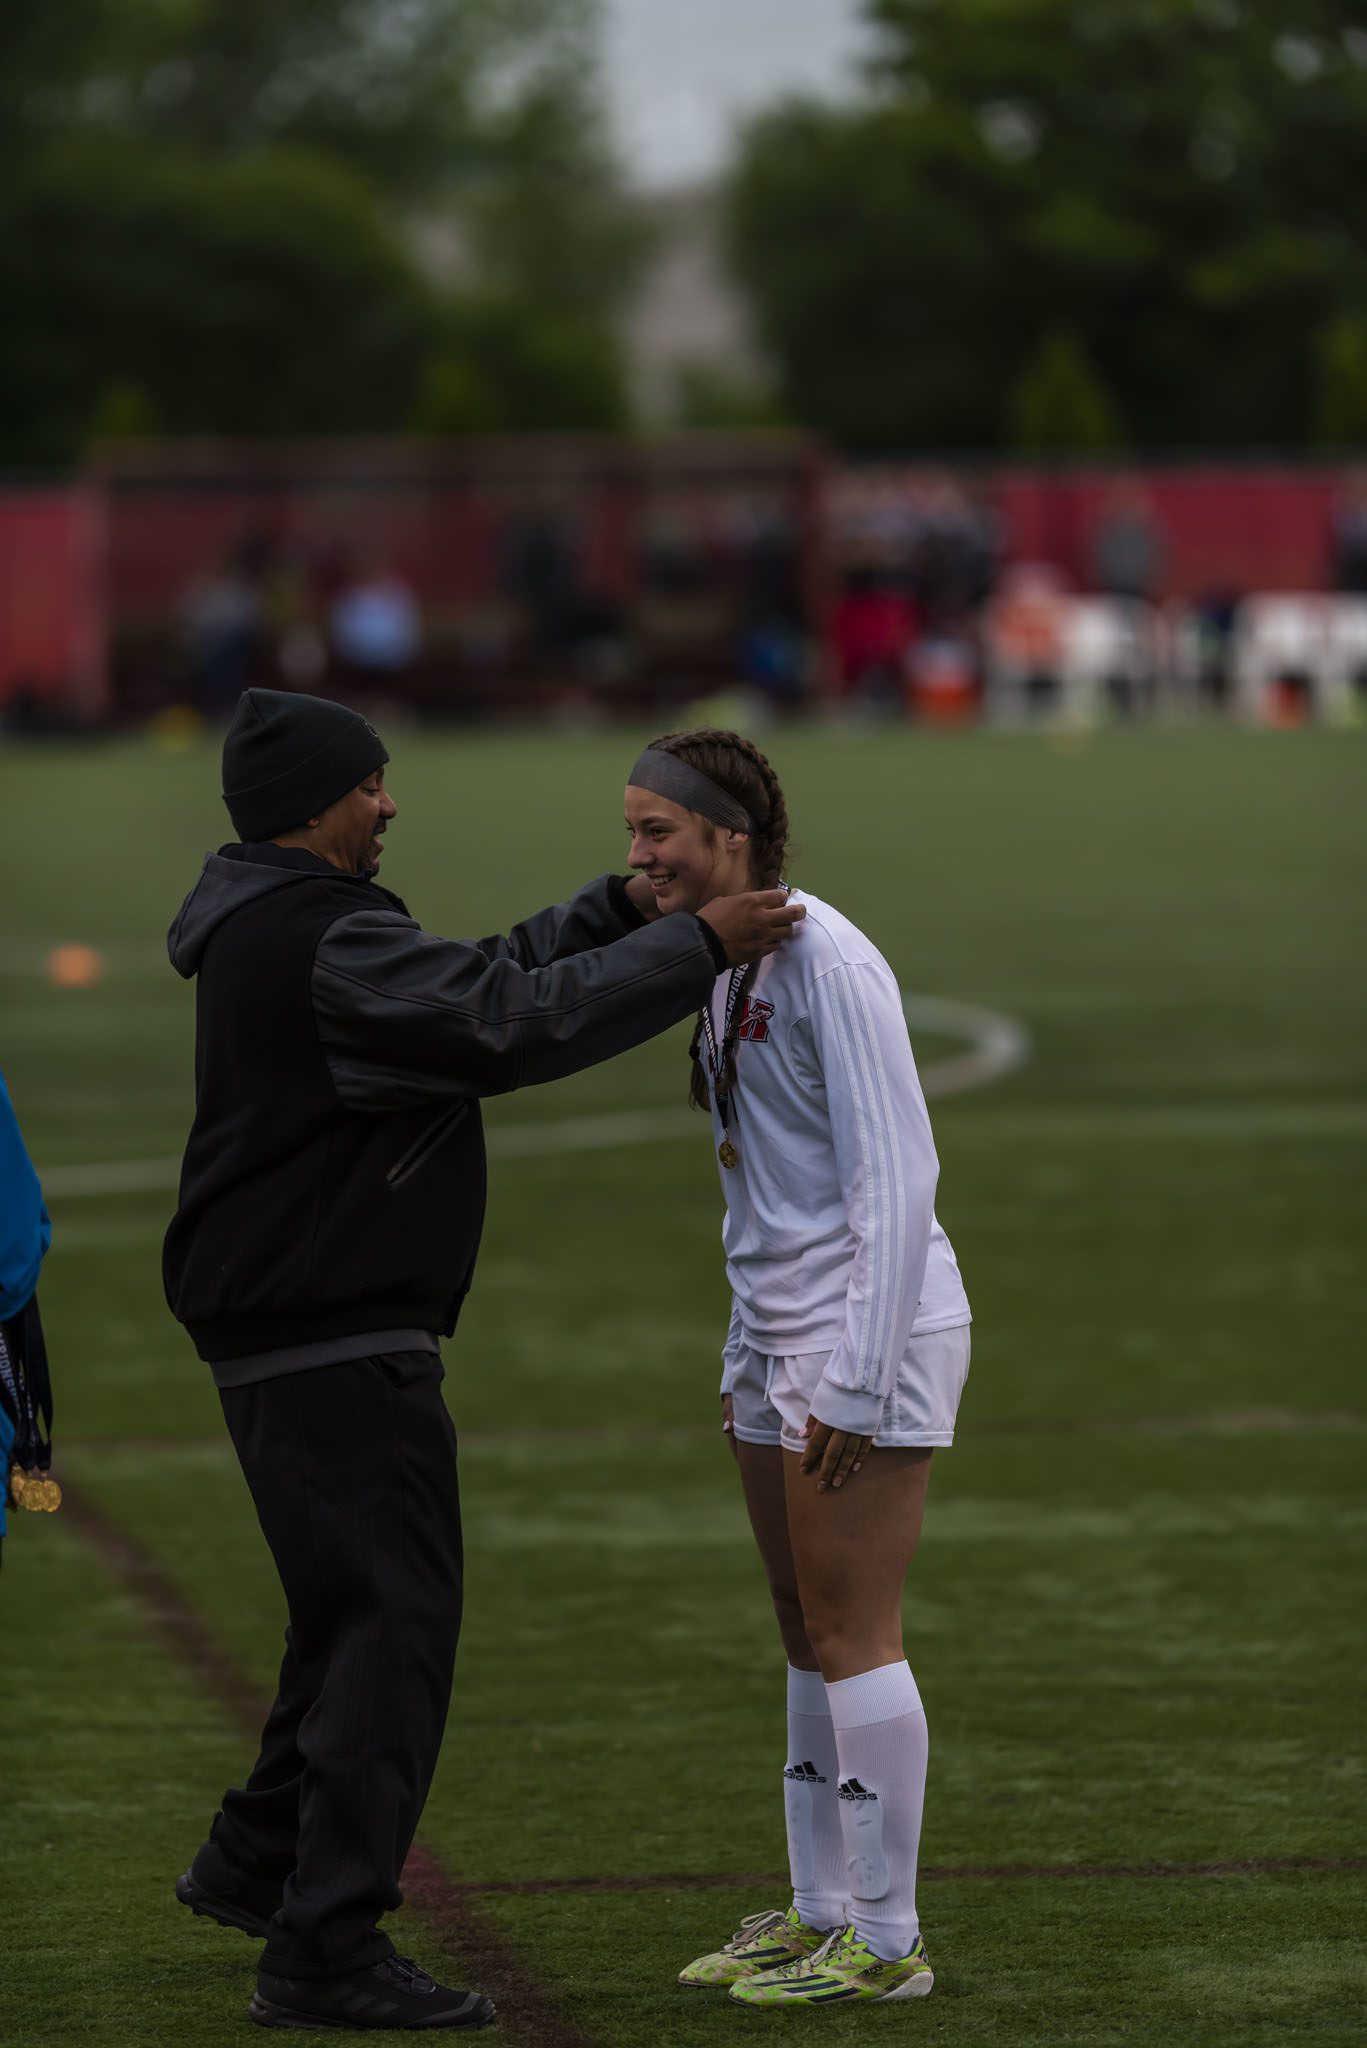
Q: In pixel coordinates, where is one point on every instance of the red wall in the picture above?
(1227, 529)
(52, 626)
(128, 543)
(435, 512)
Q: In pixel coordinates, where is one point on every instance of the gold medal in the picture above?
(720, 1061)
(35, 1491)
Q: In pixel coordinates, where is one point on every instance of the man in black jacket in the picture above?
(331, 1201)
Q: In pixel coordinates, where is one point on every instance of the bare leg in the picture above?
(762, 1478)
(851, 1549)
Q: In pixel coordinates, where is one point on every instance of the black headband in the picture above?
(666, 775)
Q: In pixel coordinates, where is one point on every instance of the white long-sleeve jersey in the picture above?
(830, 1233)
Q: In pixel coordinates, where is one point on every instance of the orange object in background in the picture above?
(74, 966)
(942, 687)
(1030, 616)
(1289, 704)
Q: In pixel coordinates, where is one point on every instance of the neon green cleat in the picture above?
(759, 1944)
(843, 1968)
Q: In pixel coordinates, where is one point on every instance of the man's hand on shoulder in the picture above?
(754, 924)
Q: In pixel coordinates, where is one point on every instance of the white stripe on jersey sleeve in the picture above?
(888, 1169)
(880, 1167)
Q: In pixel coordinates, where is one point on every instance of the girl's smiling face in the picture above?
(687, 860)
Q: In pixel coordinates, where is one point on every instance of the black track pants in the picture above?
(353, 1471)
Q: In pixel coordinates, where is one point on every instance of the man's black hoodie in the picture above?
(333, 1182)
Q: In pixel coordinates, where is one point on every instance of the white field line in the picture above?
(1237, 1123)
(552, 1437)
(997, 1045)
(112, 1177)
(1184, 1122)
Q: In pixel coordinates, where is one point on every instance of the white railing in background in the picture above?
(1283, 658)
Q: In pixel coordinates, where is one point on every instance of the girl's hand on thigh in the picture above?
(728, 1423)
(833, 1454)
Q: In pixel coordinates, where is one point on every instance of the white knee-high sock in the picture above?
(816, 1850)
(880, 1738)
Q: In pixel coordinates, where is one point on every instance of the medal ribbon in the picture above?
(26, 1389)
(720, 1058)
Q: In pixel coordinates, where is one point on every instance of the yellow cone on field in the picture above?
(74, 966)
(176, 729)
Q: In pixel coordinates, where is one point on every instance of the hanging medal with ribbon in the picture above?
(721, 1059)
(26, 1391)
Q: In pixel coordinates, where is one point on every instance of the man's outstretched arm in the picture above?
(405, 1017)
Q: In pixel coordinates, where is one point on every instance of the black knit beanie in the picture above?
(289, 756)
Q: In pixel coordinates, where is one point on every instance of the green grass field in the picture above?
(1136, 1615)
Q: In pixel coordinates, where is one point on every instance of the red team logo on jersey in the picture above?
(754, 1020)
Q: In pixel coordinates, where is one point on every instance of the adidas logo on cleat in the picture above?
(804, 1774)
(851, 1788)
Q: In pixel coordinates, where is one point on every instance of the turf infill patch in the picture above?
(448, 1906)
(1222, 1422)
(947, 1873)
(445, 1901)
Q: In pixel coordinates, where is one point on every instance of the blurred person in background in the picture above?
(25, 1395)
(846, 1355)
(330, 1209)
(766, 567)
(876, 619)
(1349, 537)
(958, 556)
(673, 560)
(224, 627)
(540, 572)
(574, 632)
(1024, 636)
(957, 565)
(293, 619)
(684, 613)
(376, 629)
(876, 627)
(1127, 546)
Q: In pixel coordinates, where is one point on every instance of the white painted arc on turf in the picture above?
(997, 1045)
(1183, 1123)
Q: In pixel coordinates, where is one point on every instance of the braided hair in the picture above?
(737, 766)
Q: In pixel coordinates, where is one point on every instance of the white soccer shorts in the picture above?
(772, 1397)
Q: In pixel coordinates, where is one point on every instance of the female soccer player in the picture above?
(844, 1361)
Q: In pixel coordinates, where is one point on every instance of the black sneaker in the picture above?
(214, 1906)
(392, 1993)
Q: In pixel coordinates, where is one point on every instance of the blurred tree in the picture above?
(487, 107)
(1341, 410)
(454, 397)
(124, 411)
(712, 398)
(1059, 402)
(502, 366)
(260, 294)
(549, 219)
(1181, 184)
(225, 206)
